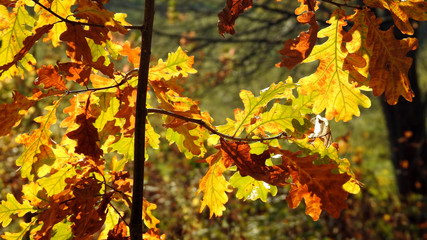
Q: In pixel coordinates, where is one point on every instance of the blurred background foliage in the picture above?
(225, 66)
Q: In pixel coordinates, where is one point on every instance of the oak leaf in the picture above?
(50, 77)
(230, 13)
(12, 206)
(214, 186)
(298, 49)
(337, 88)
(402, 11)
(12, 113)
(87, 137)
(12, 39)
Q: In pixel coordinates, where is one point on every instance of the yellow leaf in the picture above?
(214, 186)
(336, 94)
(12, 206)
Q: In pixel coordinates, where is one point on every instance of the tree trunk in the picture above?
(407, 136)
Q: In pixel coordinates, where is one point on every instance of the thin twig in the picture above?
(117, 211)
(211, 129)
(125, 79)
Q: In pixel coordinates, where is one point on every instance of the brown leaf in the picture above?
(86, 136)
(12, 113)
(230, 13)
(77, 47)
(76, 72)
(296, 50)
(254, 165)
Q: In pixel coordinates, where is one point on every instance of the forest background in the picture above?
(246, 61)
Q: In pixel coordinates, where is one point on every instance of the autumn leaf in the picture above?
(254, 107)
(87, 137)
(41, 136)
(389, 65)
(321, 189)
(230, 13)
(12, 113)
(296, 50)
(61, 8)
(214, 186)
(336, 87)
(27, 45)
(13, 41)
(249, 188)
(49, 77)
(402, 11)
(76, 72)
(97, 14)
(11, 206)
(131, 53)
(254, 165)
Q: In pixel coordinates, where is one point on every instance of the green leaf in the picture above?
(249, 188)
(55, 183)
(254, 106)
(111, 220)
(62, 231)
(125, 147)
(12, 40)
(12, 206)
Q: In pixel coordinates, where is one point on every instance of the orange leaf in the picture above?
(230, 13)
(127, 110)
(401, 11)
(298, 49)
(76, 72)
(132, 53)
(49, 76)
(96, 13)
(12, 113)
(86, 136)
(119, 232)
(321, 189)
(389, 64)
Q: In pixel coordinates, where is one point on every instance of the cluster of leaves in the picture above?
(73, 184)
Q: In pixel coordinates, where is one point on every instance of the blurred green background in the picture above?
(225, 66)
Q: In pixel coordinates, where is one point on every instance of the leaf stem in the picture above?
(211, 129)
(136, 223)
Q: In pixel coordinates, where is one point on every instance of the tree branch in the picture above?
(211, 129)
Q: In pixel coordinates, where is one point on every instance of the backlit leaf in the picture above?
(11, 206)
(230, 13)
(402, 11)
(337, 94)
(214, 186)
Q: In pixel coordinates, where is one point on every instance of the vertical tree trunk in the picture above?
(407, 136)
(136, 223)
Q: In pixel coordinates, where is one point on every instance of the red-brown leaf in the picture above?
(12, 113)
(76, 72)
(298, 49)
(230, 13)
(87, 137)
